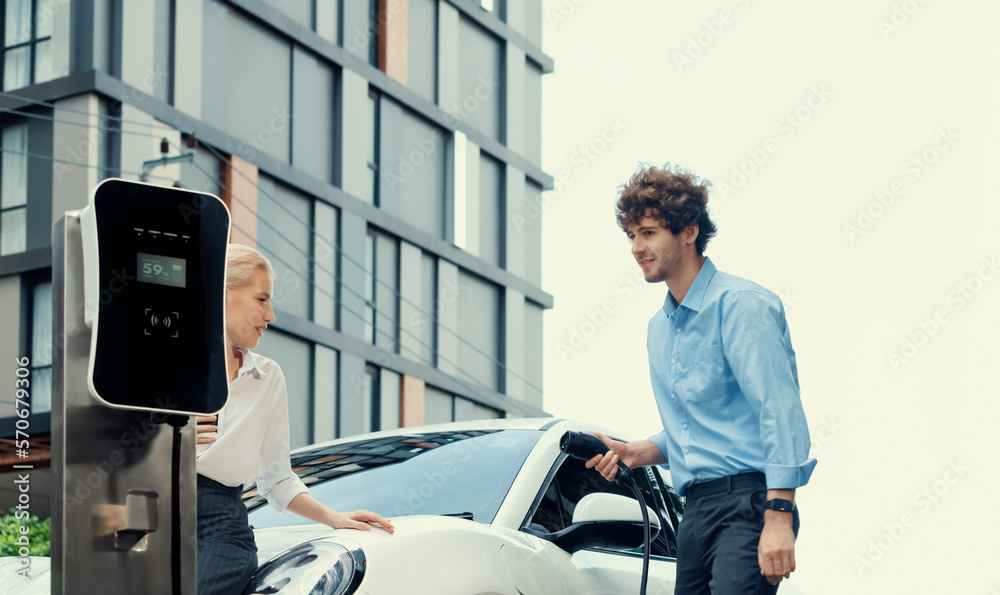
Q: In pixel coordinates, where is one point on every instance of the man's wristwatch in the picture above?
(780, 505)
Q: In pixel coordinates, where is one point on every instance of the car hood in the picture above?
(273, 540)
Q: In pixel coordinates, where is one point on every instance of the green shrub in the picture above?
(39, 533)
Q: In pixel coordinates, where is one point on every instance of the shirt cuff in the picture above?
(660, 440)
(282, 493)
(788, 477)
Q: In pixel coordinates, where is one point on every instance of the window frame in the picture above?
(373, 382)
(653, 489)
(30, 282)
(374, 164)
(31, 43)
(23, 206)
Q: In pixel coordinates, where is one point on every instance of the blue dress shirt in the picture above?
(724, 378)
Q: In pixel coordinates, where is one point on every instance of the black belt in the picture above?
(725, 484)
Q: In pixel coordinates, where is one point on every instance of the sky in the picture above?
(851, 146)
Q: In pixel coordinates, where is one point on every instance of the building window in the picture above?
(421, 48)
(374, 28)
(370, 287)
(27, 44)
(481, 83)
(380, 407)
(283, 235)
(480, 320)
(491, 210)
(295, 357)
(439, 406)
(14, 189)
(415, 170)
(374, 123)
(427, 321)
(371, 414)
(40, 346)
(382, 291)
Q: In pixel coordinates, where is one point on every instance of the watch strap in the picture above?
(780, 505)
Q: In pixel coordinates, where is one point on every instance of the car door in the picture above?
(599, 570)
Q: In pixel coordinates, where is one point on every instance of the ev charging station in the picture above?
(139, 331)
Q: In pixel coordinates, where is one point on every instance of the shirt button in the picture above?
(699, 476)
(684, 426)
(672, 360)
(673, 396)
(678, 329)
(686, 450)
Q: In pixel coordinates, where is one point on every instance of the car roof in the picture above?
(519, 423)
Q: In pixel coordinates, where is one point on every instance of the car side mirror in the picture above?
(608, 521)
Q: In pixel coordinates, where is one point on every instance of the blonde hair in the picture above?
(241, 263)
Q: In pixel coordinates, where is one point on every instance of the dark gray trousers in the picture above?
(717, 541)
(227, 554)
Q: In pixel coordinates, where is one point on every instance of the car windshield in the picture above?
(442, 473)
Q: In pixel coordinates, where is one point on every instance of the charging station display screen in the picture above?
(162, 270)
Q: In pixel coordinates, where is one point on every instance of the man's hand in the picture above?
(207, 430)
(607, 464)
(776, 549)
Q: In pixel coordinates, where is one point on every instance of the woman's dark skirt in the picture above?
(227, 554)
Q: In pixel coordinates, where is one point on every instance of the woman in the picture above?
(248, 441)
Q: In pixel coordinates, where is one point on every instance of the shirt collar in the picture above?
(696, 293)
(250, 364)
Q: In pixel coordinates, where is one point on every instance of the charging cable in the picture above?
(582, 445)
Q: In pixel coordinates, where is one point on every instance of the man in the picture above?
(723, 373)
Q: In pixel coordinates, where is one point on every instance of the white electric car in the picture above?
(479, 507)
(489, 507)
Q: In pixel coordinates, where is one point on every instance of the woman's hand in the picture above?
(306, 506)
(362, 520)
(207, 430)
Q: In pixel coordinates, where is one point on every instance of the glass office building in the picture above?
(384, 154)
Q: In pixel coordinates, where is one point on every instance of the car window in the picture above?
(573, 481)
(443, 473)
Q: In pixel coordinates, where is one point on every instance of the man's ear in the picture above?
(690, 233)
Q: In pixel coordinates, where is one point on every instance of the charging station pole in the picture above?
(124, 481)
(111, 521)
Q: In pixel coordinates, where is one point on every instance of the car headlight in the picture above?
(312, 568)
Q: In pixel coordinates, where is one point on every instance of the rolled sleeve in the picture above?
(759, 351)
(282, 493)
(660, 440)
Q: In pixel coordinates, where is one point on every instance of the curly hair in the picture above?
(672, 194)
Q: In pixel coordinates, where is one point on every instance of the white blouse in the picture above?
(252, 443)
